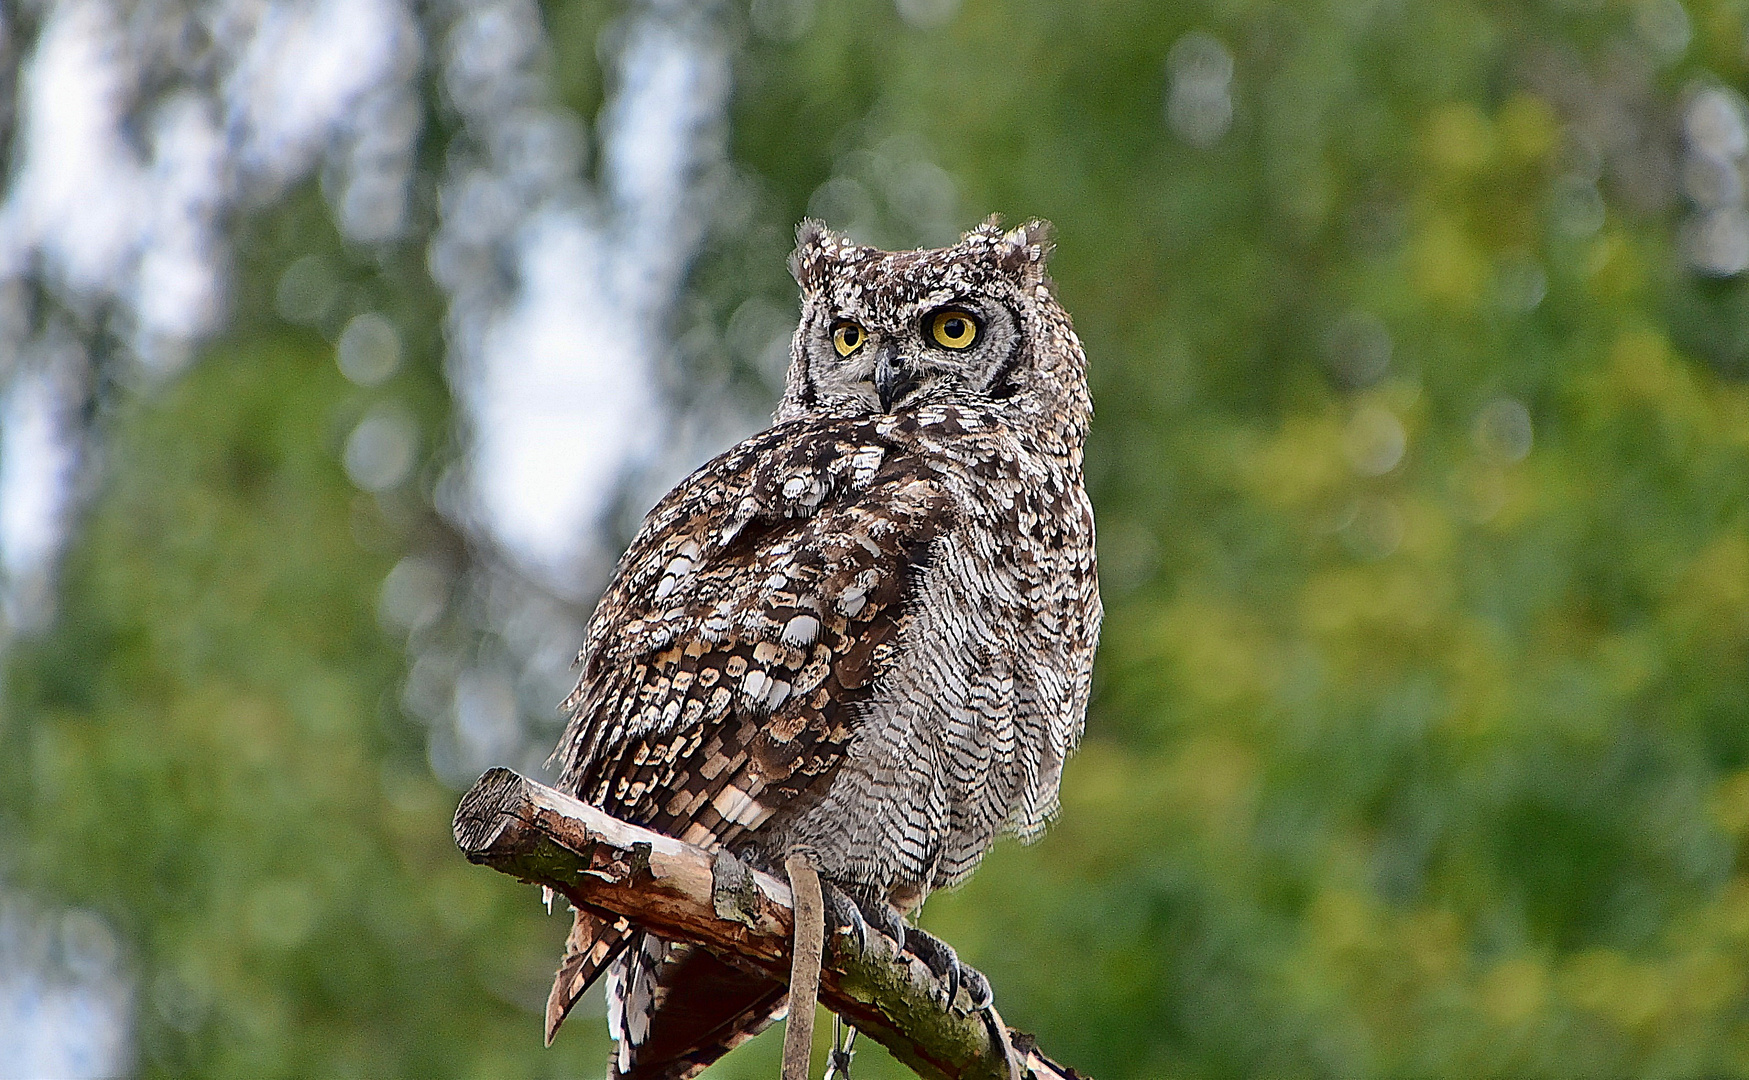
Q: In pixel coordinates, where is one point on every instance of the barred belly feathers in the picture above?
(865, 634)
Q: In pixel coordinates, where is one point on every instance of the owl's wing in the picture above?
(725, 667)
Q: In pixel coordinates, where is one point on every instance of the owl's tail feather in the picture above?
(595, 941)
(673, 1009)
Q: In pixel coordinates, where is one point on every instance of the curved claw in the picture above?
(952, 978)
(940, 958)
(841, 912)
(888, 920)
(844, 908)
(978, 987)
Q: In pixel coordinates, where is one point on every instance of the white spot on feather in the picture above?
(801, 630)
(739, 807)
(866, 461)
(754, 685)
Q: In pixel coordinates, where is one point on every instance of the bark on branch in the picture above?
(532, 832)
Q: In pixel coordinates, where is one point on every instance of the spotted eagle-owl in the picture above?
(865, 633)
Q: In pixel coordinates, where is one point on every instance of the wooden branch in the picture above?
(532, 832)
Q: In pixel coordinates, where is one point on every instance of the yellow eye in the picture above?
(847, 337)
(952, 328)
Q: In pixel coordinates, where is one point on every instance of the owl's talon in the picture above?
(977, 987)
(938, 956)
(884, 917)
(953, 984)
(843, 913)
(844, 908)
(894, 927)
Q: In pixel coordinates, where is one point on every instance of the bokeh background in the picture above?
(342, 343)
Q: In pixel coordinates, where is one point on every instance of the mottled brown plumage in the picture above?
(865, 634)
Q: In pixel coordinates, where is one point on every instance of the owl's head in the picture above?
(884, 331)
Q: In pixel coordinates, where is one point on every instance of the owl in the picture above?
(865, 634)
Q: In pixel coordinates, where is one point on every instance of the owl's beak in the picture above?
(891, 381)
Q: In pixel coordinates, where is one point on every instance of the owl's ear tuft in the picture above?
(1024, 251)
(816, 246)
(990, 229)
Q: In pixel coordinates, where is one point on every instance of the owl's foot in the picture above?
(848, 910)
(845, 909)
(940, 958)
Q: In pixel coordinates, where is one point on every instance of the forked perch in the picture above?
(532, 832)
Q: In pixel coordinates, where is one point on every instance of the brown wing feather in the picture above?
(595, 941)
(727, 664)
(707, 1008)
(725, 667)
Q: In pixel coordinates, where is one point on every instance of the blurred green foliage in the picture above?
(1420, 744)
(208, 746)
